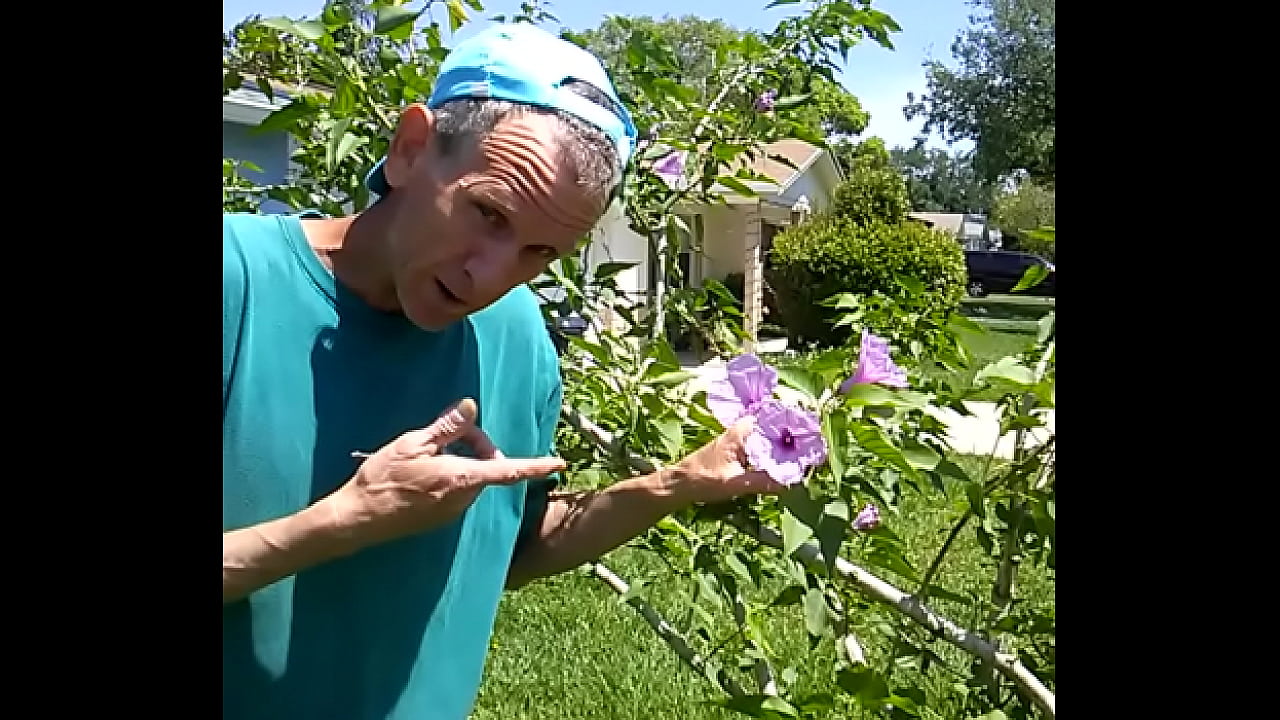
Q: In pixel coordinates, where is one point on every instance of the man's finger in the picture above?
(452, 425)
(507, 471)
(758, 481)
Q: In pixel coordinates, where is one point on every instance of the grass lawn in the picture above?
(565, 647)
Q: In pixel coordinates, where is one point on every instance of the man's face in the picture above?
(467, 229)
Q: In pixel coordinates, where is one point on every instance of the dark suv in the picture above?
(999, 270)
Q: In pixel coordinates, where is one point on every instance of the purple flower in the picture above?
(746, 386)
(868, 518)
(671, 166)
(875, 366)
(765, 102)
(785, 442)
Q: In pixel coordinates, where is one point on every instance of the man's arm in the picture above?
(578, 527)
(257, 556)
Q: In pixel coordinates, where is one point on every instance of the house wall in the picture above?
(723, 230)
(269, 151)
(812, 186)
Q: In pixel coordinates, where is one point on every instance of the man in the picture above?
(362, 563)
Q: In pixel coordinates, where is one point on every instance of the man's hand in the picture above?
(717, 472)
(408, 486)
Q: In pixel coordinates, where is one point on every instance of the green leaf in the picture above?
(815, 612)
(336, 132)
(973, 491)
(792, 101)
(1032, 277)
(835, 429)
(707, 583)
(961, 322)
(310, 30)
(890, 557)
(996, 714)
(831, 533)
(801, 379)
(457, 14)
(945, 594)
(776, 3)
(671, 434)
(789, 596)
(1045, 327)
(669, 379)
(759, 706)
(736, 185)
(736, 566)
(794, 532)
(284, 119)
(393, 17)
(475, 5)
(1009, 369)
(864, 683)
(872, 438)
(921, 457)
(607, 270)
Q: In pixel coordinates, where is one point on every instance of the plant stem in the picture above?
(867, 583)
(923, 592)
(669, 634)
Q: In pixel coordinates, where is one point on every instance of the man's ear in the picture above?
(414, 136)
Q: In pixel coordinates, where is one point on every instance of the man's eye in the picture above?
(489, 213)
(546, 252)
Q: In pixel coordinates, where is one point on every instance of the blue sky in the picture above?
(880, 78)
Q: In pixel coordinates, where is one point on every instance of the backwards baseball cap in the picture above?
(521, 63)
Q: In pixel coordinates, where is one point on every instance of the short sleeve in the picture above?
(535, 503)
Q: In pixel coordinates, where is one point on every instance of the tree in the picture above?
(938, 181)
(1002, 96)
(703, 54)
(1020, 213)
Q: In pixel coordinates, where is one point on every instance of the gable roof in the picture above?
(800, 153)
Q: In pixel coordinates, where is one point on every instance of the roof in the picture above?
(799, 152)
(950, 222)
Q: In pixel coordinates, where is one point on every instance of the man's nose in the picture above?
(492, 261)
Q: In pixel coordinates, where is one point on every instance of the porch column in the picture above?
(752, 295)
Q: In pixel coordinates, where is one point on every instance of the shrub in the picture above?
(872, 193)
(810, 263)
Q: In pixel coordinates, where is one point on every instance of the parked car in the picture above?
(999, 270)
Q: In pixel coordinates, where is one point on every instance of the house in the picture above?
(970, 229)
(735, 235)
(243, 109)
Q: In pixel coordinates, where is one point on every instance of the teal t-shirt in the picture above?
(311, 373)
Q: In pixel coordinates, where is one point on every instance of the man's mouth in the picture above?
(447, 293)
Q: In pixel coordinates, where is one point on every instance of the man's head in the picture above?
(514, 158)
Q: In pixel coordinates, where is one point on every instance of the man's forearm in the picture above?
(581, 526)
(257, 556)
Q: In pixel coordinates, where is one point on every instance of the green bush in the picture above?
(810, 263)
(872, 193)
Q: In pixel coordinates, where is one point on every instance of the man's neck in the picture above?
(354, 250)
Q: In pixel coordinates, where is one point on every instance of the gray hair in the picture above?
(588, 150)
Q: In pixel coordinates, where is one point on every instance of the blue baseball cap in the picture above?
(522, 63)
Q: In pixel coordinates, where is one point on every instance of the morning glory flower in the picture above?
(747, 384)
(785, 443)
(868, 518)
(765, 102)
(875, 367)
(670, 167)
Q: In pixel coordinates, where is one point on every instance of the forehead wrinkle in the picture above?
(536, 179)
